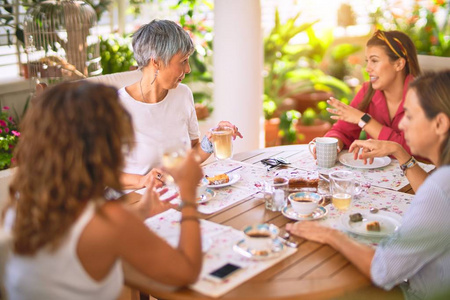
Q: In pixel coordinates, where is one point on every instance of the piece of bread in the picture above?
(304, 181)
(218, 179)
(373, 226)
(356, 217)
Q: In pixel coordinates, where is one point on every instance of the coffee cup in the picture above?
(326, 151)
(260, 237)
(304, 203)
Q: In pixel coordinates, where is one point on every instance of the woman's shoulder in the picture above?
(440, 178)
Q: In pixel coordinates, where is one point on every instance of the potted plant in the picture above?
(311, 125)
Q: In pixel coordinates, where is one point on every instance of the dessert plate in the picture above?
(389, 222)
(244, 250)
(290, 213)
(208, 195)
(378, 162)
(233, 179)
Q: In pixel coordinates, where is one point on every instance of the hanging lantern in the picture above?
(62, 41)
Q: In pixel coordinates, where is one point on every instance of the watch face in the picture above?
(366, 118)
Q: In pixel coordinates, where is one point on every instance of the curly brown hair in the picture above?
(70, 150)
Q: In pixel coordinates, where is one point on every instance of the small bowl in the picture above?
(201, 188)
(260, 236)
(304, 203)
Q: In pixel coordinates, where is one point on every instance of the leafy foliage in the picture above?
(117, 54)
(9, 136)
(288, 119)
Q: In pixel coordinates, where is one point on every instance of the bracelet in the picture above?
(189, 218)
(206, 145)
(184, 204)
(408, 165)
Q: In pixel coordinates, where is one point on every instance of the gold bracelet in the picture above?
(189, 218)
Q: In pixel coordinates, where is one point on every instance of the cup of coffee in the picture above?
(222, 140)
(275, 193)
(260, 237)
(326, 151)
(342, 187)
(304, 203)
(201, 188)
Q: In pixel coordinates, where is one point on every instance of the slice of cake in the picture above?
(373, 226)
(304, 181)
(218, 179)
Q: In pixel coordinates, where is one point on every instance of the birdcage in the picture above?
(62, 41)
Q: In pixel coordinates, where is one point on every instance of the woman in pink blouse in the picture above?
(378, 107)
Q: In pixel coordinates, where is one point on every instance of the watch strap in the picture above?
(408, 165)
(206, 145)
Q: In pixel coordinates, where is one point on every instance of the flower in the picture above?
(9, 136)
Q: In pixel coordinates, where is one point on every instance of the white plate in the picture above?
(389, 222)
(233, 179)
(242, 248)
(378, 162)
(208, 195)
(318, 213)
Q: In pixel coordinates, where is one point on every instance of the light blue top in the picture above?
(420, 250)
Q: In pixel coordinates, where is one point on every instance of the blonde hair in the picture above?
(70, 150)
(433, 92)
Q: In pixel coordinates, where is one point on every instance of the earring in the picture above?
(156, 73)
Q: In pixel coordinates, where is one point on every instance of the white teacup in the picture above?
(260, 237)
(304, 203)
(201, 188)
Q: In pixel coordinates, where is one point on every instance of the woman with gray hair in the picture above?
(161, 106)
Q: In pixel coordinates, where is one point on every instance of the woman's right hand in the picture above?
(155, 174)
(369, 149)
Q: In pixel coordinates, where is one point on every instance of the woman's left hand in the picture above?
(344, 112)
(310, 230)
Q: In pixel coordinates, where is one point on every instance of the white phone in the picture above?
(222, 273)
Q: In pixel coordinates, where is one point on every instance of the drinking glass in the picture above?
(275, 193)
(222, 140)
(173, 153)
(342, 186)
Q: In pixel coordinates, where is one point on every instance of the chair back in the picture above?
(5, 248)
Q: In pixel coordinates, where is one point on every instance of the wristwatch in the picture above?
(364, 120)
(206, 145)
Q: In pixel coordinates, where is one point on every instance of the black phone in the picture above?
(223, 272)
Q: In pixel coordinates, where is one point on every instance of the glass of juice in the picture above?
(222, 140)
(342, 187)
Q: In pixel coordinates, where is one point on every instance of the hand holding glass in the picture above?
(222, 140)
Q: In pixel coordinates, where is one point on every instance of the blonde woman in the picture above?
(417, 256)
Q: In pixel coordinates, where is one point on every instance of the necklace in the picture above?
(151, 85)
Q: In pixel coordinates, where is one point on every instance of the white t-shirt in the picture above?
(157, 123)
(60, 274)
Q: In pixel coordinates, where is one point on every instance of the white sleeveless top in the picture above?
(60, 274)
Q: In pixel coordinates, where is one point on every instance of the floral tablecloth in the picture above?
(218, 242)
(389, 177)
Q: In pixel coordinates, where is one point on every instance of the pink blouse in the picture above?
(378, 109)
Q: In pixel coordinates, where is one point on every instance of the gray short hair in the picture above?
(160, 40)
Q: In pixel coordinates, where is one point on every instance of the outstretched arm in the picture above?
(368, 150)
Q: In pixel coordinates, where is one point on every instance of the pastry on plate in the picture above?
(218, 179)
(303, 181)
(373, 226)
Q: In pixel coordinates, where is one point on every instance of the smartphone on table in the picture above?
(222, 273)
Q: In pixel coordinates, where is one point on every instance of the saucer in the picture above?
(318, 213)
(209, 194)
(242, 248)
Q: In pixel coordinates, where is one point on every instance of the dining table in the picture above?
(310, 271)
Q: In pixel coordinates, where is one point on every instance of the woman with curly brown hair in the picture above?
(68, 242)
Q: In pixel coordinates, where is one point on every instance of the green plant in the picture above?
(9, 136)
(116, 52)
(280, 59)
(288, 120)
(421, 23)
